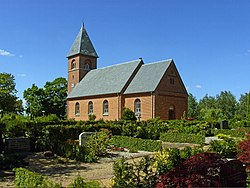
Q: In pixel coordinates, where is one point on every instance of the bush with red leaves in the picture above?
(203, 170)
(244, 152)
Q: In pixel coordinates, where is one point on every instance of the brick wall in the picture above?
(146, 104)
(75, 75)
(171, 92)
(97, 107)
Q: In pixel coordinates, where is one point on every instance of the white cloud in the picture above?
(5, 53)
(21, 75)
(248, 51)
(198, 86)
(20, 56)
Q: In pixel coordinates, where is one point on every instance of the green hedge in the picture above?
(26, 178)
(136, 143)
(182, 138)
(239, 132)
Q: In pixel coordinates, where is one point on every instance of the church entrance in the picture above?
(171, 113)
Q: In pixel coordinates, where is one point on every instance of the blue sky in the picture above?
(209, 40)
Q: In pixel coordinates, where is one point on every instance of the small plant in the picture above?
(226, 148)
(128, 114)
(141, 174)
(79, 182)
(26, 178)
(92, 117)
(98, 143)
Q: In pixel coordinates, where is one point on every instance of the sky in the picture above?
(208, 40)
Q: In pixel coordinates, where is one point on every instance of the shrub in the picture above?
(79, 182)
(226, 148)
(92, 117)
(98, 143)
(136, 143)
(141, 174)
(244, 153)
(128, 114)
(182, 138)
(238, 132)
(26, 178)
(204, 170)
(12, 160)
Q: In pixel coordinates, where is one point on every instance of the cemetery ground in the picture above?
(64, 171)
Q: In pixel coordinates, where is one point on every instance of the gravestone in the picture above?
(209, 139)
(84, 138)
(17, 144)
(224, 124)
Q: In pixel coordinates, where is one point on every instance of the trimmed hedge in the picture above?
(136, 143)
(26, 178)
(239, 132)
(182, 138)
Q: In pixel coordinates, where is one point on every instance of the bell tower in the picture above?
(82, 58)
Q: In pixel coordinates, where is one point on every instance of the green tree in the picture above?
(193, 110)
(34, 98)
(8, 98)
(206, 104)
(243, 106)
(48, 100)
(56, 97)
(226, 102)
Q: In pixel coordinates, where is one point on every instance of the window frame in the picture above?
(90, 108)
(105, 107)
(77, 109)
(73, 64)
(137, 107)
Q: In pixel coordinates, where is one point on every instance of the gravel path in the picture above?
(63, 171)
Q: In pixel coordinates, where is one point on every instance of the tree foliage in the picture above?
(8, 99)
(48, 100)
(223, 106)
(192, 106)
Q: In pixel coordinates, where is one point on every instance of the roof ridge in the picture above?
(118, 64)
(161, 61)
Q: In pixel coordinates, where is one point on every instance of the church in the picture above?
(149, 89)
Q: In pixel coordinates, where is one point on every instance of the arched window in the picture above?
(105, 107)
(73, 64)
(77, 109)
(87, 64)
(91, 107)
(137, 106)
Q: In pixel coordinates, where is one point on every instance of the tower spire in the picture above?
(82, 44)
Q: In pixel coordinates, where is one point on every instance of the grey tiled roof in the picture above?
(148, 77)
(106, 80)
(82, 45)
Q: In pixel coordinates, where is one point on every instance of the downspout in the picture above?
(152, 98)
(118, 106)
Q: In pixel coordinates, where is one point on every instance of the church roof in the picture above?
(148, 77)
(108, 80)
(82, 45)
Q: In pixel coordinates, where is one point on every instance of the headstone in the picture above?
(224, 124)
(84, 138)
(210, 139)
(17, 144)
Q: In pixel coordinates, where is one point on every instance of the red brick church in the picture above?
(151, 90)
